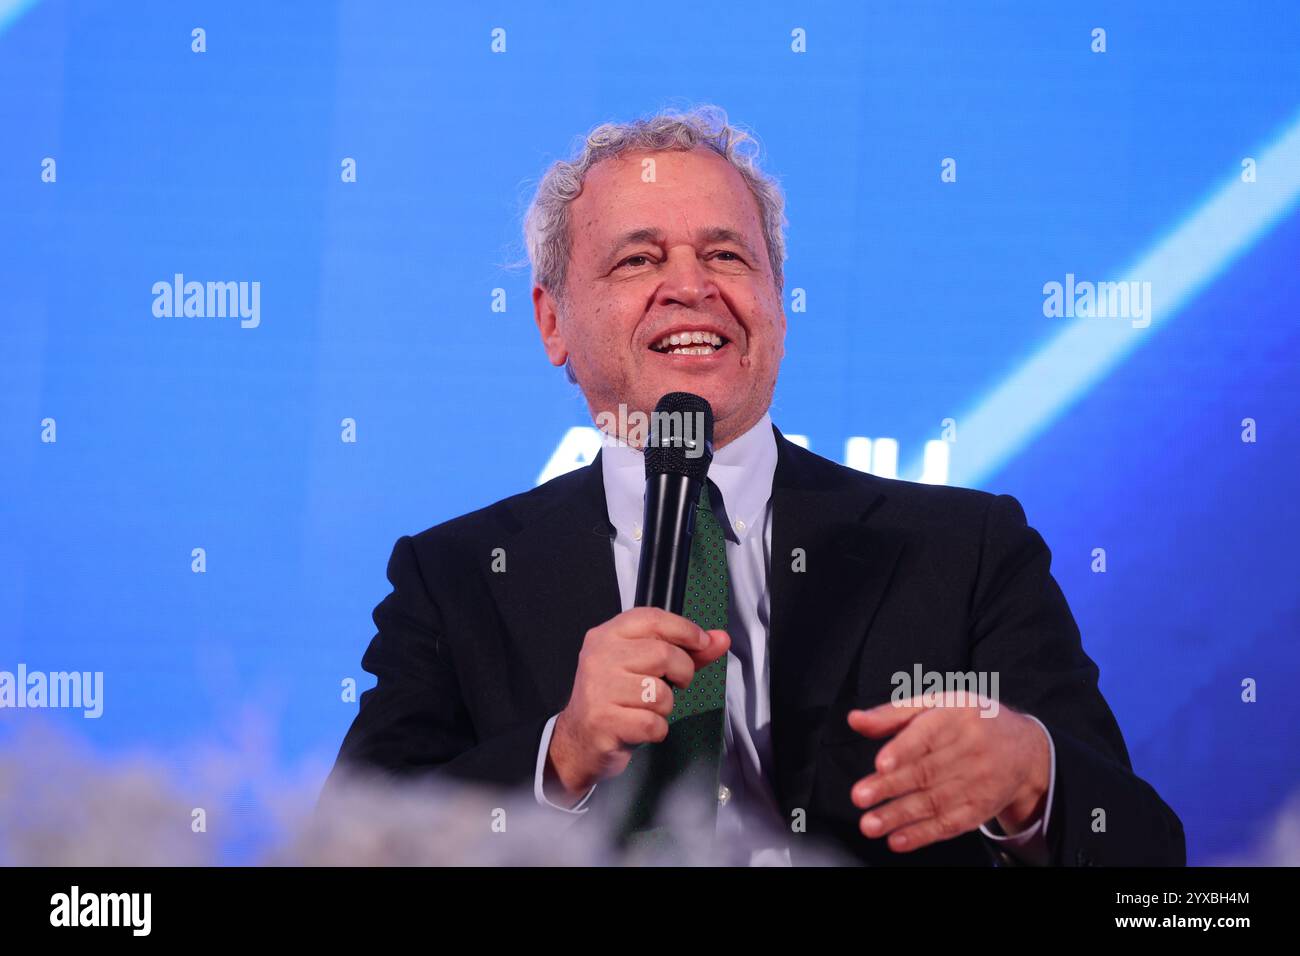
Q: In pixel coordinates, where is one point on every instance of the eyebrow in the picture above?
(704, 234)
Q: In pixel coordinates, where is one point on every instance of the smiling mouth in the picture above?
(690, 343)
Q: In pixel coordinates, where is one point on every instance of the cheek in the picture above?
(772, 340)
(592, 337)
(617, 333)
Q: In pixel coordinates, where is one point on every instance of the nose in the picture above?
(686, 281)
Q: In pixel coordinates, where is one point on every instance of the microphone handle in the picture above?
(666, 532)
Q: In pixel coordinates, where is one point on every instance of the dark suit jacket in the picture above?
(471, 663)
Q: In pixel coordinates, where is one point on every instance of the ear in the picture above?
(780, 305)
(546, 314)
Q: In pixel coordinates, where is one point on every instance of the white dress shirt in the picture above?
(748, 814)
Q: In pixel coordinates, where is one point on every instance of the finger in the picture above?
(648, 691)
(888, 718)
(911, 808)
(949, 823)
(651, 622)
(660, 659)
(637, 725)
(931, 731)
(929, 770)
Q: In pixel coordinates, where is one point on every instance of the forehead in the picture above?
(689, 189)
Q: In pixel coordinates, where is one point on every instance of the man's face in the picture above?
(678, 255)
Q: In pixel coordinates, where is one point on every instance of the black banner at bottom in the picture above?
(333, 905)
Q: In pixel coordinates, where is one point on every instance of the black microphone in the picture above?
(677, 457)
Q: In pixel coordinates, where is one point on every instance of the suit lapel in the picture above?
(560, 581)
(829, 572)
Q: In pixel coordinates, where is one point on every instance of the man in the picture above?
(657, 256)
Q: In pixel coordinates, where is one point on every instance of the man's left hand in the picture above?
(950, 769)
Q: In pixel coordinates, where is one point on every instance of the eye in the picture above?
(735, 257)
(630, 260)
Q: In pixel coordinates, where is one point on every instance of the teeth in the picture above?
(707, 339)
(693, 350)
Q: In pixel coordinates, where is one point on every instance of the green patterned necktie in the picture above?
(690, 756)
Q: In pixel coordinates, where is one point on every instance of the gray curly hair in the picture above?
(546, 223)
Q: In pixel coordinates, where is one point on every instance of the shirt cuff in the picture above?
(1030, 844)
(539, 791)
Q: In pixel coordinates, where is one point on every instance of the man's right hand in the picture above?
(621, 694)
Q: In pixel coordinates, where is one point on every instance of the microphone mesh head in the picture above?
(681, 437)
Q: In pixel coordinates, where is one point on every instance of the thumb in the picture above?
(719, 642)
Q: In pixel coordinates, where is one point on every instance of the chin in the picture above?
(717, 389)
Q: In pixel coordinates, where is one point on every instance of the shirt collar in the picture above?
(743, 472)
